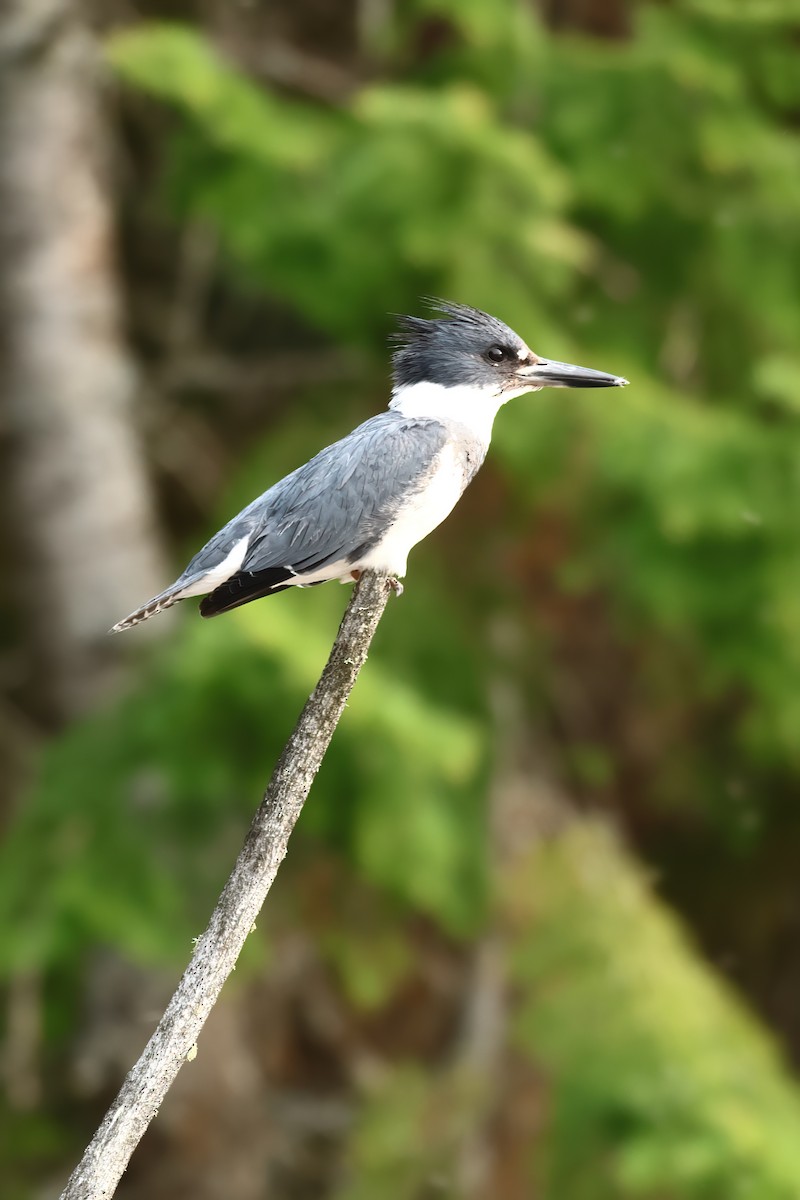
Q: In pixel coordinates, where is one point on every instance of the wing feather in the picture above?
(343, 496)
(333, 508)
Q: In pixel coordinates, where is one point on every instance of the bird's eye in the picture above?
(495, 354)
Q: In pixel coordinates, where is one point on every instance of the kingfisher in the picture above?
(364, 502)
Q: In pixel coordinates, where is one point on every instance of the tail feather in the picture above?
(156, 605)
(241, 588)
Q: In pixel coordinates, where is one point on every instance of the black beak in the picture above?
(547, 373)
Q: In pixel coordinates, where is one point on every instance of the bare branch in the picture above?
(215, 955)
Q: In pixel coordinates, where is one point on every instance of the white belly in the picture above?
(423, 512)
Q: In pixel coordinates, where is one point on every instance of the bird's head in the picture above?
(467, 348)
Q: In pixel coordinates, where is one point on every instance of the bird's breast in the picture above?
(417, 515)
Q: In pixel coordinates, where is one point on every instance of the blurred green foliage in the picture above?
(662, 1085)
(638, 200)
(134, 804)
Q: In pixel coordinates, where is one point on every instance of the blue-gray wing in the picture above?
(336, 506)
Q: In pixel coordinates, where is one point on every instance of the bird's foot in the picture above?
(394, 583)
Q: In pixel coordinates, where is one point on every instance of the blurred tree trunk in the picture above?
(77, 497)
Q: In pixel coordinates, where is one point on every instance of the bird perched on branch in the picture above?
(364, 502)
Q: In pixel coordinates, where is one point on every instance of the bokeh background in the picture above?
(538, 934)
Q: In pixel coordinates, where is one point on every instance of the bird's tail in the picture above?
(163, 600)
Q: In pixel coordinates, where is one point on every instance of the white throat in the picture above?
(471, 406)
